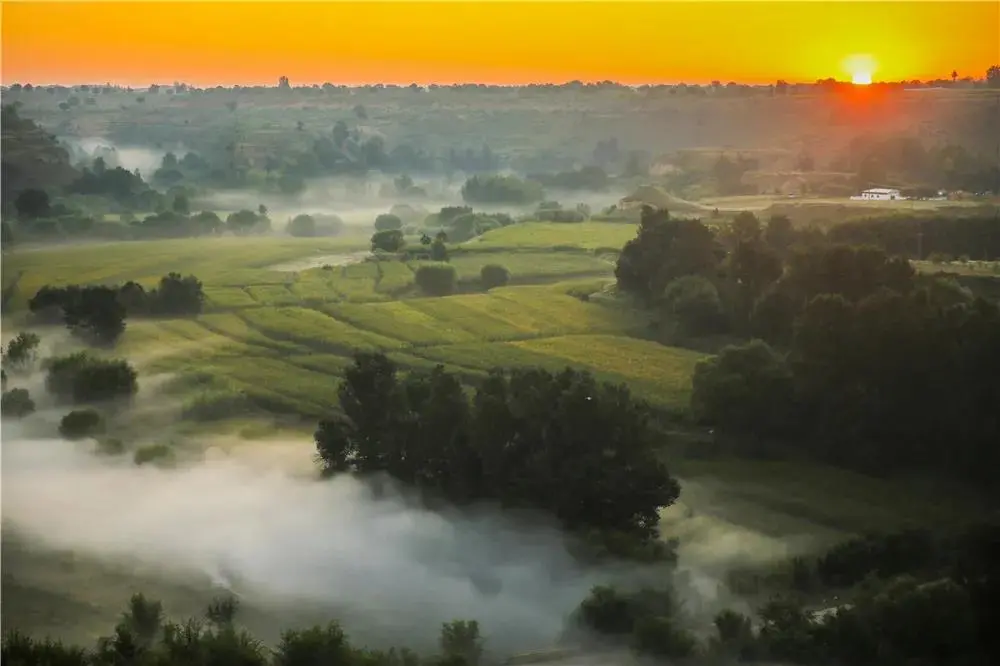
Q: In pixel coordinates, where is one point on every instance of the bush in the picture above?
(303, 226)
(80, 378)
(153, 453)
(16, 403)
(494, 275)
(437, 279)
(81, 423)
(390, 240)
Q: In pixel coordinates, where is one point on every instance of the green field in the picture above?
(283, 337)
(554, 236)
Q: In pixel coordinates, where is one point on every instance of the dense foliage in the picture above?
(82, 378)
(562, 443)
(98, 313)
(438, 279)
(501, 190)
(145, 637)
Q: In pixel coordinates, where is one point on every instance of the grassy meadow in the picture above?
(283, 337)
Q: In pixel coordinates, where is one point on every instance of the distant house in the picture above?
(878, 194)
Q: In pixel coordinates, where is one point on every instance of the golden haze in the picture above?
(201, 43)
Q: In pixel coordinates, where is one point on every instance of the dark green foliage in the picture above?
(16, 403)
(303, 226)
(977, 237)
(21, 352)
(390, 240)
(439, 251)
(646, 619)
(460, 639)
(94, 314)
(563, 443)
(493, 275)
(144, 637)
(388, 221)
(246, 222)
(744, 389)
(90, 308)
(664, 250)
(32, 204)
(693, 303)
(501, 190)
(81, 423)
(81, 378)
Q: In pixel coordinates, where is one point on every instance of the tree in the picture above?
(181, 206)
(993, 76)
(439, 252)
(436, 279)
(460, 638)
(390, 240)
(303, 226)
(81, 423)
(32, 204)
(95, 314)
(245, 222)
(746, 388)
(510, 444)
(779, 234)
(664, 249)
(493, 275)
(16, 403)
(81, 378)
(501, 190)
(388, 222)
(693, 302)
(178, 295)
(21, 352)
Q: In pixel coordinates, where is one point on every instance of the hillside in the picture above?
(30, 156)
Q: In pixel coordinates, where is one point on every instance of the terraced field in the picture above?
(283, 337)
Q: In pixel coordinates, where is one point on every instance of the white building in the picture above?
(878, 194)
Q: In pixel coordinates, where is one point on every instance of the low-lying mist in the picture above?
(383, 566)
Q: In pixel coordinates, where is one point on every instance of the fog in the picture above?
(267, 532)
(146, 160)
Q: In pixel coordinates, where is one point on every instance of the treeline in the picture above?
(564, 444)
(851, 357)
(145, 637)
(925, 237)
(98, 313)
(909, 599)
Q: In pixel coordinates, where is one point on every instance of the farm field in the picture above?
(283, 337)
(553, 236)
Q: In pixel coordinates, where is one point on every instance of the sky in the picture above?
(501, 42)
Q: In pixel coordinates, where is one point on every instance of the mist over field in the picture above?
(272, 535)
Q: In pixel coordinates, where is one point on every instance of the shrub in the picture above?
(494, 275)
(303, 226)
(436, 279)
(81, 377)
(389, 240)
(153, 453)
(16, 403)
(81, 423)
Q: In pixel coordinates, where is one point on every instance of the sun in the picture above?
(860, 67)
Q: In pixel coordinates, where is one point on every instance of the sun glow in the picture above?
(860, 67)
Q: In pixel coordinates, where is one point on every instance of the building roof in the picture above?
(882, 190)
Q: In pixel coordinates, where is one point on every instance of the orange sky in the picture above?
(137, 43)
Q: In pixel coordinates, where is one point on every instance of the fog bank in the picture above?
(382, 566)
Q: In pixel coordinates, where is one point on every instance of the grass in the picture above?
(590, 236)
(528, 265)
(314, 329)
(218, 262)
(789, 498)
